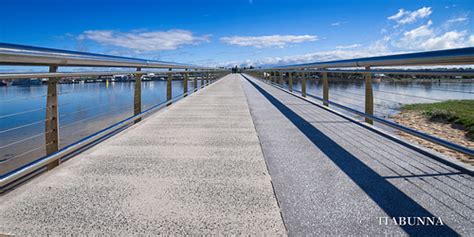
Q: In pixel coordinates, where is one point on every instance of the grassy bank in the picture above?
(460, 113)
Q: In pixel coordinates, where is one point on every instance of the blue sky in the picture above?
(245, 32)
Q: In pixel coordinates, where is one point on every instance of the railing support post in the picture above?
(195, 80)
(51, 121)
(280, 78)
(169, 88)
(137, 96)
(325, 89)
(369, 97)
(303, 84)
(185, 82)
(290, 81)
(202, 80)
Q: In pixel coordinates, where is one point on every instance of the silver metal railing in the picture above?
(12, 54)
(21, 55)
(461, 56)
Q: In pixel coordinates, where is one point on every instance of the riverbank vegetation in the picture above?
(451, 120)
(458, 113)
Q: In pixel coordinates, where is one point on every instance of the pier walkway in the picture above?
(242, 156)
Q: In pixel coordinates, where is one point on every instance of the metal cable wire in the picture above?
(82, 110)
(82, 120)
(414, 96)
(383, 99)
(357, 99)
(20, 113)
(22, 98)
(22, 126)
(29, 151)
(24, 139)
(438, 89)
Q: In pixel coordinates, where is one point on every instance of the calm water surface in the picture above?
(88, 107)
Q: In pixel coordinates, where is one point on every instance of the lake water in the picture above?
(89, 107)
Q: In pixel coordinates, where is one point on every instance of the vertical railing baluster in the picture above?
(137, 96)
(303, 84)
(185, 82)
(369, 97)
(290, 81)
(202, 80)
(195, 80)
(325, 89)
(280, 78)
(51, 130)
(169, 95)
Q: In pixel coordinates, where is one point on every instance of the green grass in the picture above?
(457, 112)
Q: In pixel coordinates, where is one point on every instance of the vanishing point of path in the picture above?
(241, 156)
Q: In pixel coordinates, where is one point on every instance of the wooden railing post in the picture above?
(185, 82)
(51, 130)
(195, 80)
(137, 96)
(169, 95)
(280, 78)
(303, 84)
(290, 81)
(202, 80)
(369, 97)
(325, 89)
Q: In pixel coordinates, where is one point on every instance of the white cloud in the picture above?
(328, 55)
(279, 41)
(425, 38)
(459, 19)
(406, 17)
(451, 39)
(348, 46)
(144, 40)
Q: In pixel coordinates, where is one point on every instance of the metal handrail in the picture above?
(13, 54)
(8, 76)
(435, 72)
(460, 56)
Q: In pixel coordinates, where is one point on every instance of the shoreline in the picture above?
(420, 122)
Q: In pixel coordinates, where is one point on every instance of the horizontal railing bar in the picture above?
(13, 54)
(5, 76)
(459, 56)
(379, 71)
(425, 136)
(69, 149)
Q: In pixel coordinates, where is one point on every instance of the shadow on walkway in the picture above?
(388, 197)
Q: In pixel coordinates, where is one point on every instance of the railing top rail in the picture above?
(13, 54)
(460, 56)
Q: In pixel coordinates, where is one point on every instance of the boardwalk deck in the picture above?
(198, 167)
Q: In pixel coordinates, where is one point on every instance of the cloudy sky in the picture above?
(244, 32)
